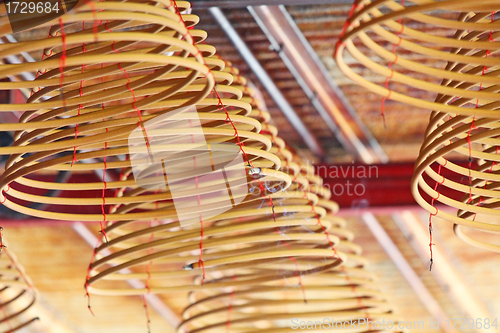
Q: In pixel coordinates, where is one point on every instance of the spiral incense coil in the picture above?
(344, 290)
(389, 40)
(17, 295)
(477, 205)
(130, 63)
(475, 137)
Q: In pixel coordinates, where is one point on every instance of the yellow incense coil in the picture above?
(407, 46)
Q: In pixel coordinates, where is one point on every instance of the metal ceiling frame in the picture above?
(309, 139)
(313, 77)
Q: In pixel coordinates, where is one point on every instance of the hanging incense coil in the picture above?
(345, 291)
(128, 64)
(17, 295)
(473, 136)
(279, 237)
(477, 185)
(397, 43)
(383, 38)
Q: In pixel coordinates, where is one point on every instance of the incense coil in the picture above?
(17, 295)
(475, 137)
(374, 31)
(341, 290)
(332, 291)
(150, 67)
(477, 186)
(241, 248)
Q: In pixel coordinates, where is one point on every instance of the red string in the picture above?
(230, 307)
(104, 195)
(493, 163)
(472, 126)
(431, 243)
(2, 246)
(141, 123)
(43, 57)
(200, 260)
(87, 294)
(62, 60)
(95, 25)
(296, 272)
(62, 64)
(221, 106)
(81, 95)
(139, 113)
(336, 255)
(347, 24)
(202, 235)
(146, 309)
(148, 272)
(386, 84)
(262, 189)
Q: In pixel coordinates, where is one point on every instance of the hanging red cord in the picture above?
(230, 308)
(493, 163)
(431, 243)
(389, 66)
(146, 310)
(347, 24)
(296, 273)
(102, 231)
(81, 95)
(87, 294)
(228, 119)
(62, 60)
